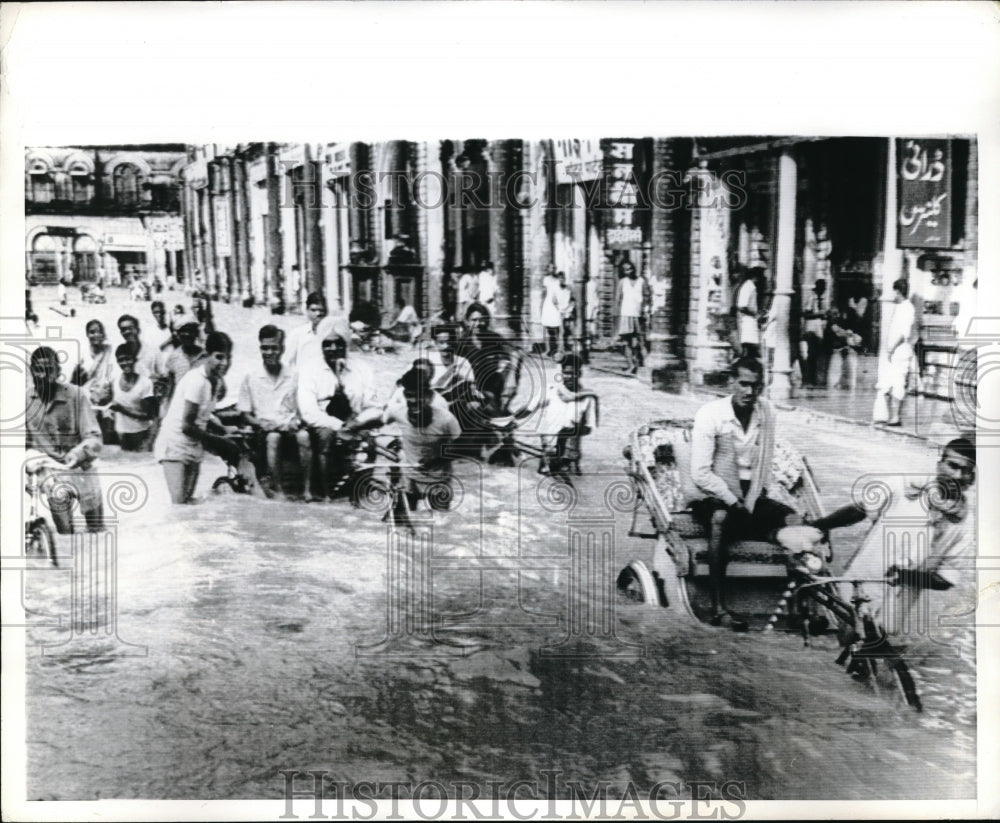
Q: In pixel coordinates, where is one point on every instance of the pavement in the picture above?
(925, 418)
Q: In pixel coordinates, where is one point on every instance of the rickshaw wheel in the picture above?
(637, 584)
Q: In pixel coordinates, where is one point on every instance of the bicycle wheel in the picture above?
(41, 542)
(637, 584)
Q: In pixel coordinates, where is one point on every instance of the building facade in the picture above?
(858, 213)
(108, 214)
(373, 223)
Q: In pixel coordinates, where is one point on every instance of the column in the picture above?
(429, 194)
(498, 162)
(311, 202)
(784, 261)
(891, 267)
(666, 265)
(274, 288)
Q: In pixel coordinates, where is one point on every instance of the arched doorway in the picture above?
(85, 259)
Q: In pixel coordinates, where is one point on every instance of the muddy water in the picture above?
(268, 642)
(253, 628)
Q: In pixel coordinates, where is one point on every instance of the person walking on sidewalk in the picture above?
(551, 313)
(631, 296)
(748, 315)
(891, 388)
(815, 315)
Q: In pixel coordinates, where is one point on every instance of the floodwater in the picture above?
(255, 636)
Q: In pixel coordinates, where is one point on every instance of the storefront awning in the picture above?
(713, 148)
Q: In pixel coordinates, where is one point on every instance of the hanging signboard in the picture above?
(923, 170)
(626, 216)
(577, 160)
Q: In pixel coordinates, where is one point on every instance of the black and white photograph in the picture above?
(450, 455)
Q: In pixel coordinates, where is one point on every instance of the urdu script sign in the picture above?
(923, 170)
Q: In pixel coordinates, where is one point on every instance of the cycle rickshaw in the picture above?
(785, 586)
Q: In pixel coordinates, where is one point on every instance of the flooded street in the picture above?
(271, 635)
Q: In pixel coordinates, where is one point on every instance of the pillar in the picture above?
(891, 267)
(274, 285)
(666, 236)
(429, 194)
(313, 241)
(784, 262)
(501, 242)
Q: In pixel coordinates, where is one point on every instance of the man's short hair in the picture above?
(189, 328)
(902, 286)
(269, 331)
(156, 303)
(962, 446)
(751, 364)
(315, 298)
(44, 353)
(127, 317)
(92, 323)
(479, 307)
(416, 380)
(218, 341)
(125, 350)
(573, 360)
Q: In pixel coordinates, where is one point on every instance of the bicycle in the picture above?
(39, 539)
(866, 652)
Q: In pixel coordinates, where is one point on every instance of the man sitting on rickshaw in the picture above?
(452, 377)
(732, 448)
(568, 414)
(496, 366)
(336, 399)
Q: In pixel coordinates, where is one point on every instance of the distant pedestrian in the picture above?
(748, 315)
(468, 292)
(554, 302)
(815, 315)
(630, 308)
(891, 388)
(488, 286)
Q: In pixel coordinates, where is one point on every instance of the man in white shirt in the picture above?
(267, 400)
(453, 377)
(336, 399)
(488, 286)
(942, 506)
(732, 448)
(426, 429)
(468, 292)
(747, 316)
(899, 346)
(304, 341)
(631, 300)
